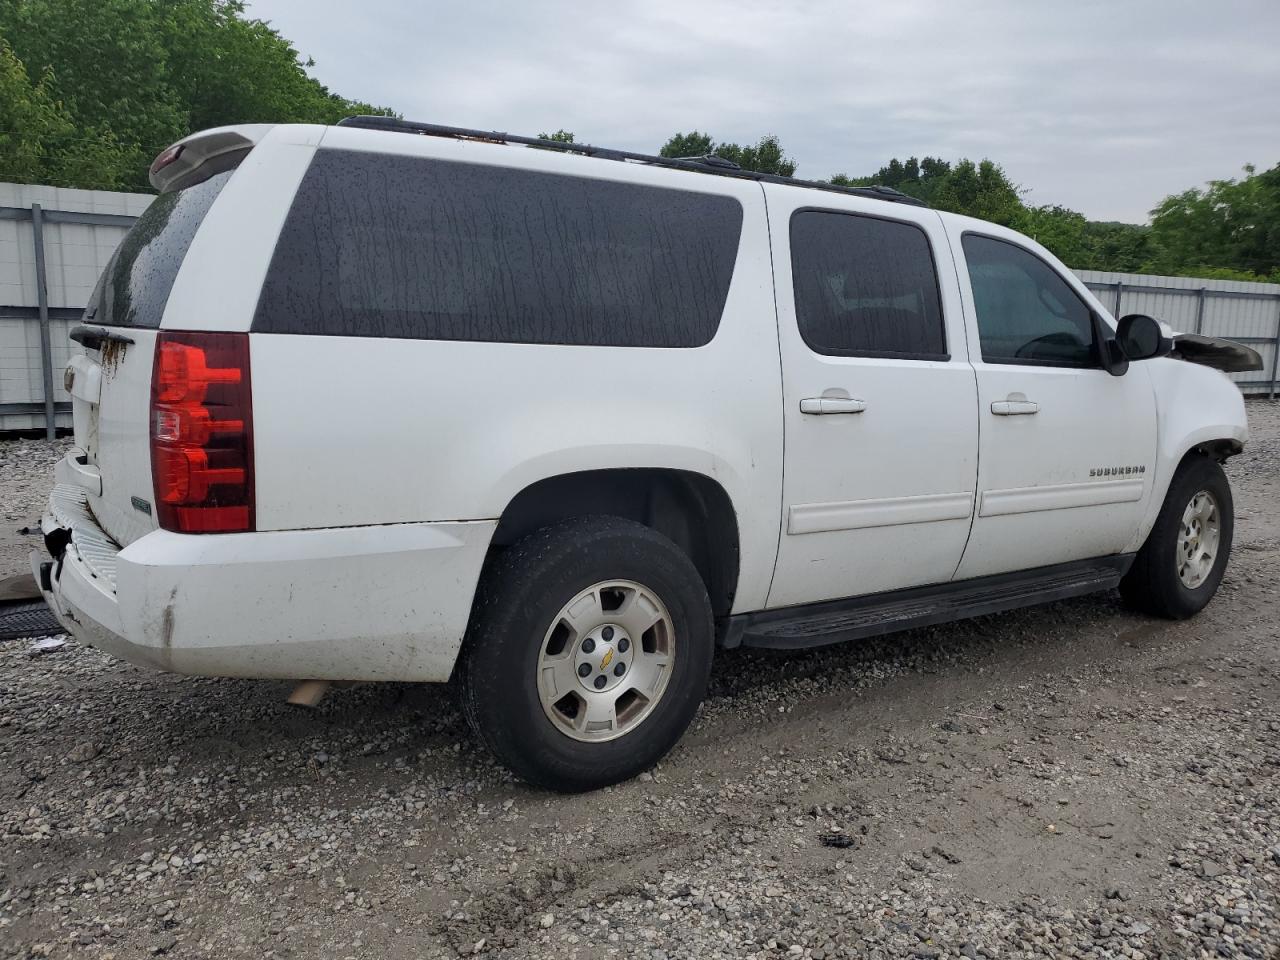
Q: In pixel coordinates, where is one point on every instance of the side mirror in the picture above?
(1114, 360)
(1142, 337)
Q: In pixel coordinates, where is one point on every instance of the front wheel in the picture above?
(1179, 568)
(588, 652)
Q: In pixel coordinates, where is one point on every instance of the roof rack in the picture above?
(717, 166)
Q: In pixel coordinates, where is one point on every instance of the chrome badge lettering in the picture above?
(1116, 471)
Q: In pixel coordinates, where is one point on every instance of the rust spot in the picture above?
(110, 356)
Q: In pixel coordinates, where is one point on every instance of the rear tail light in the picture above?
(202, 432)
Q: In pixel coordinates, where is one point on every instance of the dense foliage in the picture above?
(92, 90)
(765, 156)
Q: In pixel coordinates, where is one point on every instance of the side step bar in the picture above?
(835, 621)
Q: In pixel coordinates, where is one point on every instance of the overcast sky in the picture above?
(1104, 107)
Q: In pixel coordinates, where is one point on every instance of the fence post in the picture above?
(1275, 354)
(42, 304)
(1200, 311)
(1119, 294)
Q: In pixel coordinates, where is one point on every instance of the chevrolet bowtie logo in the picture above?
(606, 659)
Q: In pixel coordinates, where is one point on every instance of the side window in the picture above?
(865, 286)
(408, 247)
(1026, 312)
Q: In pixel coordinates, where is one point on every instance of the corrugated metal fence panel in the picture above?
(75, 256)
(1235, 309)
(17, 264)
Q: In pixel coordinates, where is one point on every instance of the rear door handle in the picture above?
(1014, 408)
(828, 405)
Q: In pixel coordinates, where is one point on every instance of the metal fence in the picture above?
(54, 243)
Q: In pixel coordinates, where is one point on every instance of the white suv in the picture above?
(389, 401)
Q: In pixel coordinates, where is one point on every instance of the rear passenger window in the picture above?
(865, 286)
(391, 246)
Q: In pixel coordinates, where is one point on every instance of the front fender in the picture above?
(1195, 405)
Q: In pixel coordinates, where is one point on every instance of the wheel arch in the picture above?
(691, 509)
(1217, 443)
(1220, 449)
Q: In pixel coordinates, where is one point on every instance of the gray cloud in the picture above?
(1104, 106)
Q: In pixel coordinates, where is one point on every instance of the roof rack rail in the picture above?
(717, 166)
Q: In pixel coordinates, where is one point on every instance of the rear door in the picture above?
(879, 410)
(1067, 449)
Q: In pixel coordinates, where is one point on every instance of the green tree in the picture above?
(1059, 229)
(139, 74)
(693, 144)
(560, 136)
(1232, 225)
(39, 142)
(978, 190)
(1123, 247)
(913, 176)
(765, 156)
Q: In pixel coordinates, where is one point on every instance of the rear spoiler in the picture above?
(203, 154)
(1225, 355)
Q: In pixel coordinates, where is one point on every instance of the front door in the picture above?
(880, 422)
(1067, 450)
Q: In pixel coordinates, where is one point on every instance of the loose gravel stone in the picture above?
(144, 814)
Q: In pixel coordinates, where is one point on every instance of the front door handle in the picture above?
(827, 405)
(1014, 408)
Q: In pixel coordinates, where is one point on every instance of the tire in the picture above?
(535, 710)
(1155, 583)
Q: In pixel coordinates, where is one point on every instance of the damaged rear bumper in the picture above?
(354, 603)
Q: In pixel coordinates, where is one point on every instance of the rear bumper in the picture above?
(356, 603)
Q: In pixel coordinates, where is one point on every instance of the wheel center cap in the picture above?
(603, 658)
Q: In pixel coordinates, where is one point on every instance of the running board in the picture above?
(819, 624)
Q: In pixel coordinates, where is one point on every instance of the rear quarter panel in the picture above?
(360, 430)
(221, 277)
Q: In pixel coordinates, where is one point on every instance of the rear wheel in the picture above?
(1179, 568)
(588, 652)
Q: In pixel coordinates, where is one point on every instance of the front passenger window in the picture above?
(1026, 312)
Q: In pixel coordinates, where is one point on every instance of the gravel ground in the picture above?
(1072, 780)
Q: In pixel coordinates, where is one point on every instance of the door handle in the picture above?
(827, 405)
(1014, 408)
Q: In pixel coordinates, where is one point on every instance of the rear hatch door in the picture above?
(110, 380)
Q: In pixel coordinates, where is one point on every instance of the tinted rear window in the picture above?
(865, 286)
(135, 286)
(407, 247)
